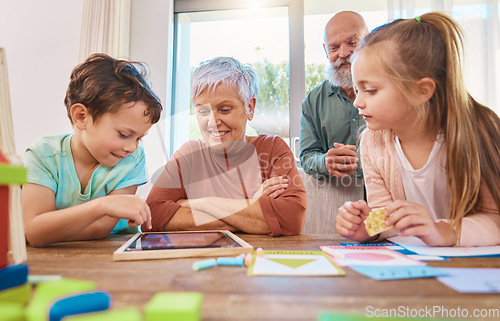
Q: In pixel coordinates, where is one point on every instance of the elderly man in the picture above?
(330, 123)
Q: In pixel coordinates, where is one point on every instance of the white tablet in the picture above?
(162, 245)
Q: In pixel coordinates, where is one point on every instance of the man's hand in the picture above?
(341, 160)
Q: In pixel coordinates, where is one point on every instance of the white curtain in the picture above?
(17, 242)
(105, 28)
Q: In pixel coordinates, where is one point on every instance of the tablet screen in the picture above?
(156, 241)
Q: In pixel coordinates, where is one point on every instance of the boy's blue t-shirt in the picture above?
(50, 163)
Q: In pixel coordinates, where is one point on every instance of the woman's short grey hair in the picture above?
(227, 70)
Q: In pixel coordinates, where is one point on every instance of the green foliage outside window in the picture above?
(272, 110)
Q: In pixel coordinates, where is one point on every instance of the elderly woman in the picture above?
(229, 180)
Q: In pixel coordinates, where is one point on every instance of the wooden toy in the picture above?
(355, 316)
(10, 311)
(13, 275)
(126, 314)
(14, 286)
(49, 292)
(19, 294)
(174, 306)
(79, 304)
(327, 316)
(10, 205)
(9, 174)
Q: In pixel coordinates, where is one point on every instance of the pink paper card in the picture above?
(367, 256)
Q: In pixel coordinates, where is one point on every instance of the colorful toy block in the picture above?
(4, 226)
(174, 306)
(127, 314)
(19, 294)
(14, 286)
(353, 316)
(9, 174)
(13, 275)
(11, 311)
(327, 316)
(79, 304)
(12, 174)
(49, 292)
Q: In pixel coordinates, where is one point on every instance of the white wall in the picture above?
(151, 41)
(41, 40)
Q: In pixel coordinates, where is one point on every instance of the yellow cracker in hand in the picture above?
(375, 222)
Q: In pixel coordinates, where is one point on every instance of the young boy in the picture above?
(81, 186)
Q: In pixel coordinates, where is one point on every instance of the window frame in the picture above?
(296, 59)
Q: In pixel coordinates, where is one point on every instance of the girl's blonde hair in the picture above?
(431, 46)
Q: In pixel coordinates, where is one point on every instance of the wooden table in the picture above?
(229, 294)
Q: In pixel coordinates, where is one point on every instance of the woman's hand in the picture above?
(412, 219)
(183, 203)
(272, 187)
(350, 220)
(130, 207)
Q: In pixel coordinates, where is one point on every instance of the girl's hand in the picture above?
(412, 219)
(130, 207)
(350, 220)
(272, 187)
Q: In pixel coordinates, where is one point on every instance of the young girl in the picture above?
(81, 185)
(431, 153)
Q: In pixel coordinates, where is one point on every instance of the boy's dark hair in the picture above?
(103, 84)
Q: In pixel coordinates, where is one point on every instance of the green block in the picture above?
(353, 316)
(48, 292)
(19, 294)
(174, 306)
(327, 316)
(10, 311)
(12, 174)
(127, 314)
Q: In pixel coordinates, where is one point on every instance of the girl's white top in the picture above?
(426, 186)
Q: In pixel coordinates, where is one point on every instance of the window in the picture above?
(245, 35)
(294, 61)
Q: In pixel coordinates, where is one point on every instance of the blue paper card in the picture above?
(368, 244)
(399, 272)
(392, 246)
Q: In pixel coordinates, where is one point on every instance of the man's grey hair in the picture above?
(226, 70)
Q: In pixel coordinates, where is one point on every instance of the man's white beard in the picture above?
(339, 76)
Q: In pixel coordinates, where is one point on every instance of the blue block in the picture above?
(13, 276)
(79, 304)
